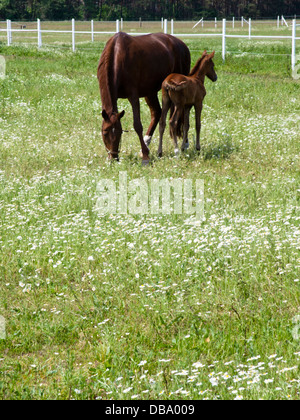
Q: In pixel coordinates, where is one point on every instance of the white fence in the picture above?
(164, 27)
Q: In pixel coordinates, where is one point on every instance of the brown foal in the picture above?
(185, 92)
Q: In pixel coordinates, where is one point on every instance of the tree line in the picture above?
(144, 9)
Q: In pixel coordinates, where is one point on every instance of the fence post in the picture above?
(121, 24)
(8, 26)
(39, 33)
(278, 19)
(224, 40)
(166, 26)
(250, 28)
(172, 27)
(162, 23)
(233, 19)
(216, 24)
(242, 21)
(117, 26)
(293, 44)
(73, 35)
(92, 30)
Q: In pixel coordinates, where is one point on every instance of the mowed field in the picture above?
(149, 307)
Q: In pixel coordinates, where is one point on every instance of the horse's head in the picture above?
(112, 132)
(210, 67)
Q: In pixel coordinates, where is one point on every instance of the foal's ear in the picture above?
(121, 115)
(105, 115)
(212, 54)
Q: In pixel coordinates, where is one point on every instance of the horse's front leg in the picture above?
(135, 103)
(155, 109)
(198, 111)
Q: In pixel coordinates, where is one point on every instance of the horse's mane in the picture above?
(105, 76)
(196, 67)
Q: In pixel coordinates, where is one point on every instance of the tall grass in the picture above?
(147, 307)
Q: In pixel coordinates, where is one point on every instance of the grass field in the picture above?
(148, 307)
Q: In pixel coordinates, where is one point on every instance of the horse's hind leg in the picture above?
(174, 125)
(186, 127)
(154, 105)
(166, 104)
(198, 110)
(135, 103)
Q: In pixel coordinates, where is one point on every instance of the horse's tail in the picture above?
(174, 86)
(171, 86)
(180, 124)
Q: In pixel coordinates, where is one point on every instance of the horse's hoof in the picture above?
(145, 162)
(186, 146)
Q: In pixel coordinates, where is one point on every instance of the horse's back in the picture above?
(141, 63)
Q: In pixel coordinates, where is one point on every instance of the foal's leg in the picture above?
(135, 103)
(198, 110)
(155, 109)
(186, 128)
(166, 104)
(173, 124)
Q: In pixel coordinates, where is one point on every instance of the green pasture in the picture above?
(149, 307)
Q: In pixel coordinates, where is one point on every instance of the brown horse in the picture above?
(184, 92)
(135, 67)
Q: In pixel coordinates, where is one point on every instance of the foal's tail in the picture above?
(180, 124)
(171, 86)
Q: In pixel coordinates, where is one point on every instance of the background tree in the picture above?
(146, 9)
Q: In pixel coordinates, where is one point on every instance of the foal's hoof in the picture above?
(145, 162)
(186, 146)
(176, 151)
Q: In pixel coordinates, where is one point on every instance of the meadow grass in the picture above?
(147, 307)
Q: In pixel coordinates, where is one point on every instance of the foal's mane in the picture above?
(196, 67)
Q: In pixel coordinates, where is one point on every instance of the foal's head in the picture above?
(209, 67)
(112, 132)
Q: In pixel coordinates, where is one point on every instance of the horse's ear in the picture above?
(105, 115)
(212, 54)
(121, 115)
(204, 53)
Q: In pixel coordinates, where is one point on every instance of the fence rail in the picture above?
(233, 24)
